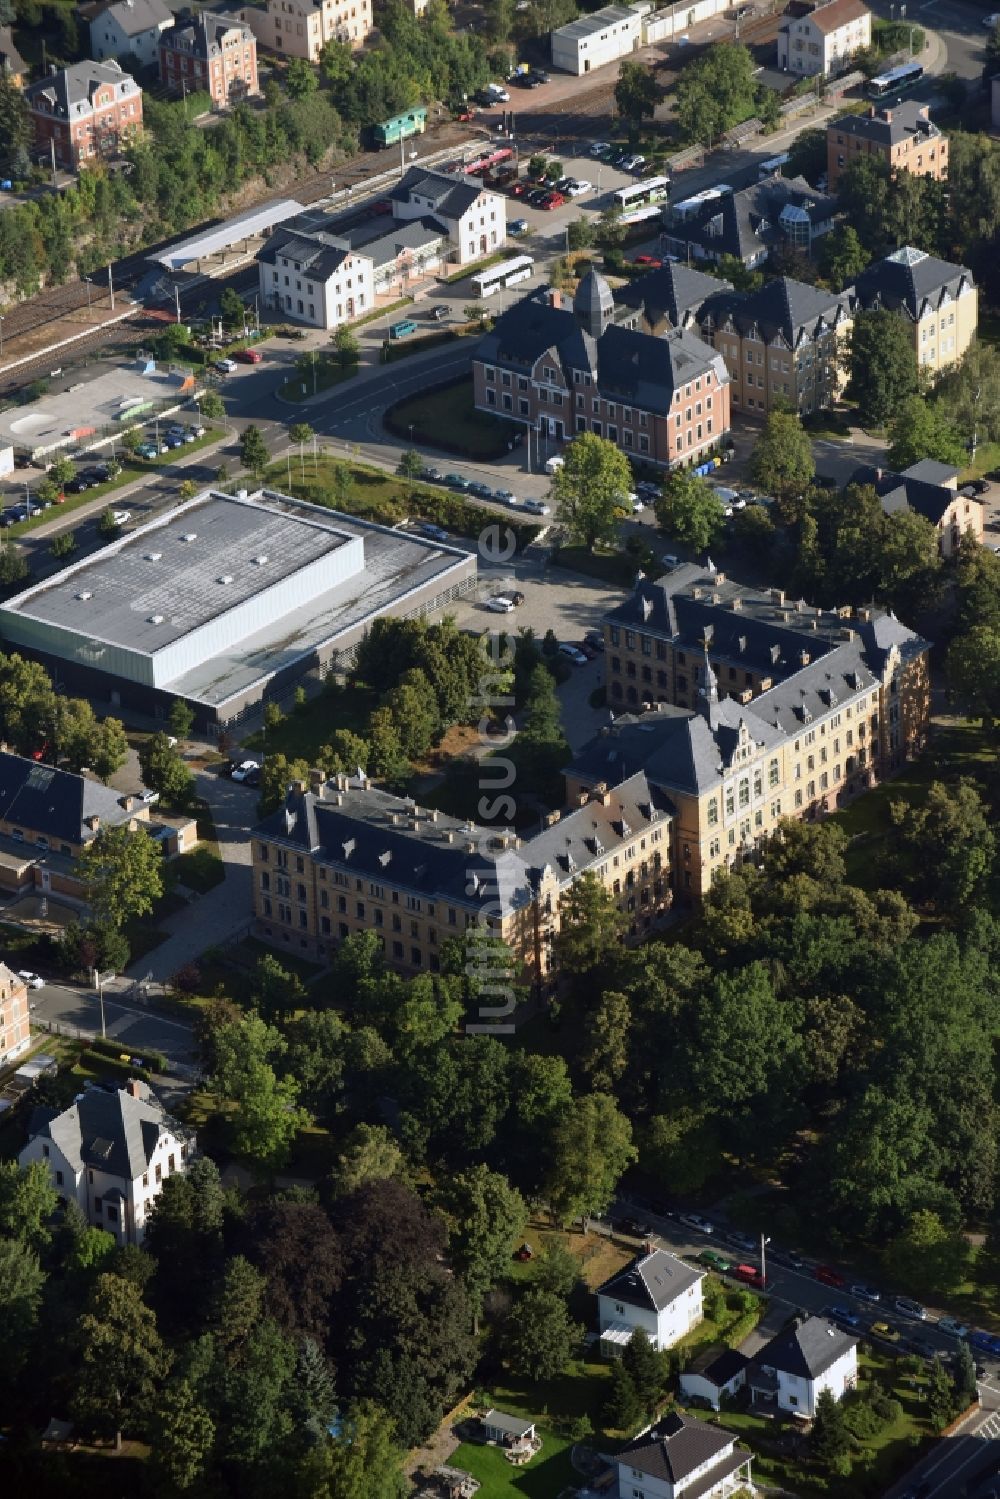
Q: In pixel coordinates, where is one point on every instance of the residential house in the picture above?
(49, 816)
(930, 489)
(784, 344)
(302, 28)
(314, 276)
(667, 298)
(681, 1458)
(901, 135)
(656, 1293)
(713, 1376)
(820, 39)
(212, 54)
(110, 1153)
(561, 371)
(791, 1372)
(127, 29)
(507, 1431)
(938, 300)
(474, 218)
(12, 64)
(749, 224)
(86, 112)
(15, 1016)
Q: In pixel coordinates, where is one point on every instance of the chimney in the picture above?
(316, 778)
(777, 596)
(93, 822)
(582, 798)
(134, 1088)
(299, 787)
(555, 297)
(804, 658)
(450, 835)
(552, 819)
(126, 803)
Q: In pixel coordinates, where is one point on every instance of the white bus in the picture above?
(645, 211)
(507, 273)
(895, 81)
(653, 190)
(775, 164)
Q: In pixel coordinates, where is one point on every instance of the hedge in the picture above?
(155, 1061)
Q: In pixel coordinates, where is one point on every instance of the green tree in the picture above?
(212, 406)
(370, 1153)
(64, 543)
(973, 673)
(276, 993)
(122, 873)
(410, 467)
(781, 463)
(300, 78)
(62, 470)
(715, 92)
(365, 1463)
(232, 308)
(882, 364)
(301, 434)
(121, 1361)
(607, 1054)
(181, 718)
(609, 231)
(556, 1270)
(415, 713)
(636, 93)
(541, 721)
(948, 843)
(110, 748)
(541, 1339)
(163, 770)
(22, 1281)
(346, 346)
(266, 1116)
(342, 485)
(646, 1367)
(591, 929)
(28, 1199)
(690, 510)
(965, 1375)
(928, 1257)
(253, 451)
(830, 1440)
(842, 256)
(183, 1436)
(487, 1215)
(940, 1396)
(591, 490)
(623, 1407)
(15, 122)
(579, 234)
(922, 429)
(591, 1148)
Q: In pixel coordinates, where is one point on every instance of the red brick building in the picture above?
(88, 111)
(212, 54)
(662, 398)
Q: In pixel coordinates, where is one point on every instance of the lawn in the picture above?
(201, 869)
(610, 567)
(545, 1476)
(303, 733)
(986, 461)
(448, 409)
(326, 376)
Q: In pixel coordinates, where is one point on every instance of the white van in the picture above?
(553, 464)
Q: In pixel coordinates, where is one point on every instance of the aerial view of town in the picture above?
(499, 733)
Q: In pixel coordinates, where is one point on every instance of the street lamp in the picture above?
(100, 979)
(87, 282)
(764, 1241)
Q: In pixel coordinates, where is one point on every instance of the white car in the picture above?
(31, 979)
(536, 507)
(669, 560)
(498, 92)
(121, 517)
(633, 163)
(573, 654)
(243, 769)
(579, 187)
(227, 366)
(697, 1222)
(500, 605)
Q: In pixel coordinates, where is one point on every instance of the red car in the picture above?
(649, 260)
(518, 189)
(554, 200)
(249, 356)
(829, 1277)
(463, 116)
(750, 1275)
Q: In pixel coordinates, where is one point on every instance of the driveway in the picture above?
(221, 914)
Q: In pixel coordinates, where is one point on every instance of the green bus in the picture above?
(401, 127)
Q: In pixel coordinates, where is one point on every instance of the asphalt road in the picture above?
(136, 1026)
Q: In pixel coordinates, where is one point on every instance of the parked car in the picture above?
(580, 187)
(121, 517)
(240, 771)
(866, 1293)
(508, 497)
(976, 486)
(456, 481)
(741, 1240)
(517, 227)
(953, 1327)
(715, 1261)
(252, 777)
(78, 484)
(516, 597)
(586, 649)
(595, 639)
(484, 492)
(910, 1308)
(431, 475)
(697, 1222)
(226, 366)
(572, 653)
(748, 1274)
(537, 197)
(553, 200)
(650, 261)
(564, 184)
(788, 1258)
(439, 313)
(829, 1277)
(500, 604)
(536, 507)
(633, 163)
(599, 149)
(249, 356)
(196, 430)
(30, 979)
(147, 450)
(174, 440)
(669, 560)
(884, 1331)
(633, 1226)
(433, 533)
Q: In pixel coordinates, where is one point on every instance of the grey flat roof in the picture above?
(158, 573)
(222, 236)
(597, 21)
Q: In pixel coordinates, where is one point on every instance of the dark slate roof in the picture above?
(717, 1366)
(69, 92)
(931, 471)
(887, 125)
(901, 492)
(202, 35)
(133, 17)
(447, 194)
(11, 60)
(111, 1132)
(386, 245)
(652, 1281)
(531, 327)
(671, 294)
(911, 281)
(746, 223)
(319, 254)
(807, 1350)
(55, 803)
(675, 1447)
(783, 308)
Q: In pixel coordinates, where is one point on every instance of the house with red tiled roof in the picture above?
(818, 39)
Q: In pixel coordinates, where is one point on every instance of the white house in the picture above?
(822, 39)
(474, 218)
(314, 277)
(111, 1152)
(680, 1456)
(657, 1292)
(714, 1374)
(791, 1371)
(602, 37)
(128, 28)
(15, 1020)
